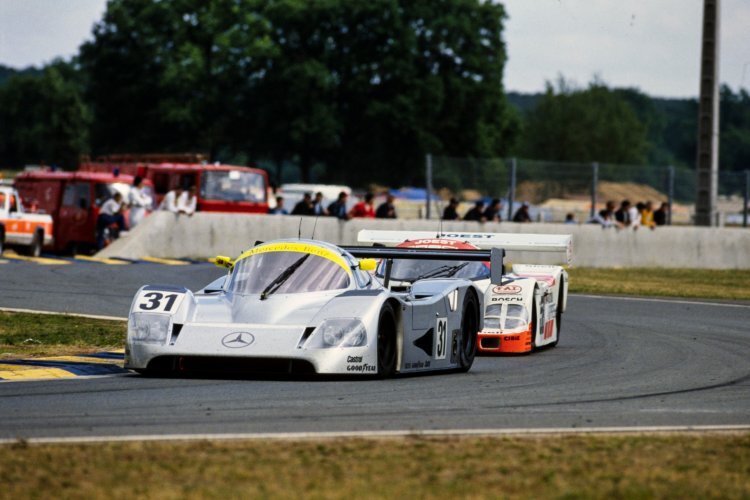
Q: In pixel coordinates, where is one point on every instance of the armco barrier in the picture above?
(204, 235)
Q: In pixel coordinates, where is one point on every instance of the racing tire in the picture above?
(558, 315)
(387, 352)
(469, 327)
(37, 242)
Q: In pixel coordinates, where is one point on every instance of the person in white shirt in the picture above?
(110, 213)
(139, 202)
(187, 202)
(169, 202)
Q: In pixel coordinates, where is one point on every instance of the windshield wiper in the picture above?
(447, 270)
(281, 278)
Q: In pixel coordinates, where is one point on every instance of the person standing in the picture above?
(476, 213)
(139, 201)
(278, 208)
(169, 203)
(386, 210)
(622, 214)
(660, 215)
(318, 208)
(365, 208)
(492, 214)
(450, 212)
(522, 214)
(338, 208)
(304, 206)
(188, 202)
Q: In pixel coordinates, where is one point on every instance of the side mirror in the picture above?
(368, 264)
(224, 261)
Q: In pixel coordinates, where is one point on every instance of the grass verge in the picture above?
(646, 466)
(692, 283)
(28, 334)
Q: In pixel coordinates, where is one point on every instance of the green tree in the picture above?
(594, 124)
(43, 119)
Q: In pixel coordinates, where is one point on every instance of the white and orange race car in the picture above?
(21, 229)
(523, 312)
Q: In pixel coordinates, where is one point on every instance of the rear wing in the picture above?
(494, 255)
(520, 242)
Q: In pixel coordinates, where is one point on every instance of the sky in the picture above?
(651, 45)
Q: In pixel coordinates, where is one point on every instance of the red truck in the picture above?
(73, 200)
(221, 188)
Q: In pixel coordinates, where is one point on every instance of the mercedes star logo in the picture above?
(238, 340)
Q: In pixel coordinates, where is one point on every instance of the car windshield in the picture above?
(413, 269)
(256, 273)
(233, 185)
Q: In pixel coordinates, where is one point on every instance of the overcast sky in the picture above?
(653, 45)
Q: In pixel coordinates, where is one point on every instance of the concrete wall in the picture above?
(209, 234)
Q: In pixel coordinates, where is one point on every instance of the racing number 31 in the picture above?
(158, 302)
(441, 338)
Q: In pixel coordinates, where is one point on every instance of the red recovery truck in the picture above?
(220, 188)
(73, 200)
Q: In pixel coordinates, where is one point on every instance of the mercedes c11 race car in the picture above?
(306, 306)
(521, 313)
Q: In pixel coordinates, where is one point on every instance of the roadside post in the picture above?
(594, 185)
(511, 188)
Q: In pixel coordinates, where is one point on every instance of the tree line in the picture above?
(349, 91)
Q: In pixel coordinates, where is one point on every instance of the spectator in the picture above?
(476, 213)
(272, 195)
(278, 208)
(522, 214)
(110, 213)
(187, 202)
(386, 210)
(610, 208)
(622, 215)
(169, 202)
(139, 201)
(634, 212)
(318, 208)
(338, 207)
(570, 218)
(605, 219)
(364, 208)
(450, 213)
(647, 215)
(492, 213)
(661, 215)
(304, 206)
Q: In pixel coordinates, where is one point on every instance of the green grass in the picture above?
(27, 334)
(646, 466)
(697, 284)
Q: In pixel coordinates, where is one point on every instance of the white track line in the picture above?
(90, 316)
(664, 301)
(296, 436)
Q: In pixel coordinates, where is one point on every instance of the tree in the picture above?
(595, 124)
(43, 119)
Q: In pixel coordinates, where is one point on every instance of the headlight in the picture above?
(148, 328)
(339, 332)
(492, 310)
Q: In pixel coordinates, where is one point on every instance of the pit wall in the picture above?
(204, 235)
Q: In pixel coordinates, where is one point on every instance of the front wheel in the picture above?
(387, 352)
(469, 328)
(37, 242)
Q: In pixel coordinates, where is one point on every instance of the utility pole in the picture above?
(707, 161)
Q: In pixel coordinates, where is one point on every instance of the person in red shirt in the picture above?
(364, 208)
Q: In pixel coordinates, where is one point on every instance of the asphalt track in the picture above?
(620, 362)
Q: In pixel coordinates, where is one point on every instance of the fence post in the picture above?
(512, 188)
(594, 185)
(670, 192)
(747, 198)
(428, 176)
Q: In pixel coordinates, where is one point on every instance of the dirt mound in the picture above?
(539, 191)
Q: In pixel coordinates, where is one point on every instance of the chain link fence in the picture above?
(557, 190)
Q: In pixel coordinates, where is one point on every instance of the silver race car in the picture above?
(305, 306)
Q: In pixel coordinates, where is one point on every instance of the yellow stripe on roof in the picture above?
(307, 248)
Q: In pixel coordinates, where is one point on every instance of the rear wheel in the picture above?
(469, 328)
(37, 241)
(387, 352)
